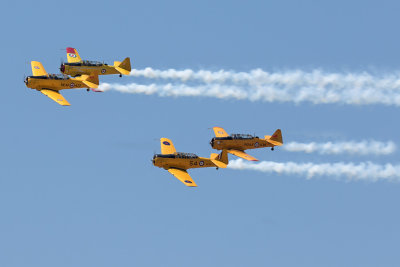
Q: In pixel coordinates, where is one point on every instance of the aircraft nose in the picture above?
(62, 68)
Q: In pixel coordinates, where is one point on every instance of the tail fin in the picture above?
(123, 67)
(276, 138)
(72, 55)
(90, 80)
(220, 160)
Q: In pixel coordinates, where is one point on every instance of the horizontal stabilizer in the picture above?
(123, 67)
(242, 154)
(220, 160)
(183, 176)
(276, 138)
(92, 81)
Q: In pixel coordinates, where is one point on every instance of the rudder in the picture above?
(123, 67)
(90, 80)
(276, 138)
(220, 160)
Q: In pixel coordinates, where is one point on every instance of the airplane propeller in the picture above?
(62, 67)
(152, 160)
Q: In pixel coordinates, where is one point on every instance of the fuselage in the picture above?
(182, 161)
(53, 81)
(239, 142)
(87, 67)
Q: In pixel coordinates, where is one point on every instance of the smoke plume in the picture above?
(365, 171)
(363, 148)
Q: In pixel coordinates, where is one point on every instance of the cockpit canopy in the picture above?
(58, 77)
(91, 63)
(178, 155)
(242, 136)
(85, 63)
(49, 76)
(186, 155)
(236, 136)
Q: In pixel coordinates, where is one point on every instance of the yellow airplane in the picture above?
(236, 144)
(76, 66)
(51, 84)
(177, 162)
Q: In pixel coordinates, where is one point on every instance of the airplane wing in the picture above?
(73, 56)
(183, 176)
(56, 96)
(219, 132)
(37, 69)
(167, 147)
(242, 154)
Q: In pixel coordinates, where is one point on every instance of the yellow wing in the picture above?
(73, 56)
(167, 147)
(183, 176)
(56, 96)
(219, 132)
(37, 69)
(242, 154)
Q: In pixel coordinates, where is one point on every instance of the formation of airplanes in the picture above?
(76, 74)
(177, 163)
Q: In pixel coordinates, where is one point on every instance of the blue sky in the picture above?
(77, 187)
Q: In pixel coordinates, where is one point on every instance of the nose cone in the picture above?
(212, 142)
(26, 81)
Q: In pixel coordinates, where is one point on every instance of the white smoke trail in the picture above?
(365, 171)
(354, 96)
(335, 148)
(296, 78)
(216, 91)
